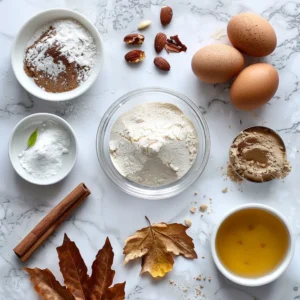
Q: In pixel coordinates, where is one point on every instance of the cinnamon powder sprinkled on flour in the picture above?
(60, 56)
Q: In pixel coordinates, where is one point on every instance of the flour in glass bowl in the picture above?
(153, 144)
(45, 158)
(60, 56)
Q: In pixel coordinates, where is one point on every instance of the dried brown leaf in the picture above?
(102, 274)
(47, 286)
(157, 261)
(116, 292)
(79, 285)
(175, 239)
(73, 269)
(155, 244)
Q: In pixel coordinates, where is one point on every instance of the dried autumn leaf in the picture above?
(73, 269)
(102, 274)
(47, 286)
(79, 285)
(156, 244)
(157, 261)
(116, 292)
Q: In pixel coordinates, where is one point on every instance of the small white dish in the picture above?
(258, 281)
(18, 143)
(27, 32)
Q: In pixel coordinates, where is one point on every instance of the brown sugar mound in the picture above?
(259, 155)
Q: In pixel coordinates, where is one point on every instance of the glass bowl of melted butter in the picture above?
(252, 245)
(153, 143)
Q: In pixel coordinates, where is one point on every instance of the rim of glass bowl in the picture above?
(152, 193)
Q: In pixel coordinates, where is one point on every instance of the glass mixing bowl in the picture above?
(125, 103)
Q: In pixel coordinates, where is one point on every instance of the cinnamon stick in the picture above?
(51, 221)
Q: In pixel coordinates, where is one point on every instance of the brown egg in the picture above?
(254, 86)
(217, 63)
(252, 34)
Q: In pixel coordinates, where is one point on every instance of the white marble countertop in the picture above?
(109, 212)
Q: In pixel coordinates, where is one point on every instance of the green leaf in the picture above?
(32, 139)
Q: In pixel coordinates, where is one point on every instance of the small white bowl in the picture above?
(263, 279)
(18, 143)
(27, 32)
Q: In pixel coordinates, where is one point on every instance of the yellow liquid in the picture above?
(252, 242)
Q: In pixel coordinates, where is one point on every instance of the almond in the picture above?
(159, 42)
(134, 39)
(135, 56)
(166, 14)
(162, 64)
(144, 24)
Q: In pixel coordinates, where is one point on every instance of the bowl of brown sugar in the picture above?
(57, 55)
(258, 154)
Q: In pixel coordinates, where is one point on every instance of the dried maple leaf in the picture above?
(73, 269)
(116, 292)
(47, 286)
(102, 274)
(79, 286)
(156, 244)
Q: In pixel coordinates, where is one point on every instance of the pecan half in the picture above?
(173, 44)
(134, 39)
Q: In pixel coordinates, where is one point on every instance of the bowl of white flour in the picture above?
(153, 143)
(57, 55)
(43, 148)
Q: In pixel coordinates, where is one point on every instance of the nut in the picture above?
(134, 39)
(162, 64)
(173, 44)
(172, 48)
(166, 14)
(159, 42)
(135, 56)
(203, 207)
(144, 24)
(193, 210)
(188, 222)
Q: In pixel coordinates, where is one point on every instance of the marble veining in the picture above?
(109, 212)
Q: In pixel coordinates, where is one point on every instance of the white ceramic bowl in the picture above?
(27, 32)
(18, 143)
(263, 279)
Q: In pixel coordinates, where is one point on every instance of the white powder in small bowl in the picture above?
(45, 158)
